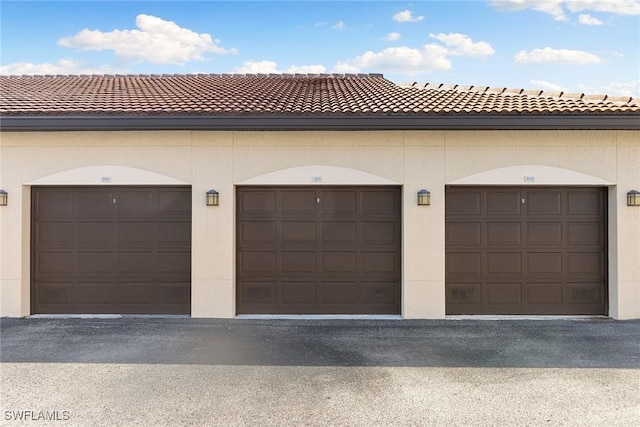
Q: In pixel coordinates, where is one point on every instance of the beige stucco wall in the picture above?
(413, 159)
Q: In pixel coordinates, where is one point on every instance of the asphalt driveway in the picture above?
(179, 371)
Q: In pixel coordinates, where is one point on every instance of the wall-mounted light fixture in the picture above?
(213, 198)
(3, 198)
(424, 198)
(633, 198)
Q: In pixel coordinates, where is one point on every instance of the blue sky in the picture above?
(588, 46)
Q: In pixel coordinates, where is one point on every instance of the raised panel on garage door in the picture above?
(525, 250)
(318, 250)
(111, 249)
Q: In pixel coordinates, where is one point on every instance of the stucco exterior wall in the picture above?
(413, 159)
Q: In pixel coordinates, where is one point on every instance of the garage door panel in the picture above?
(503, 203)
(95, 205)
(94, 234)
(543, 203)
(91, 263)
(299, 202)
(298, 292)
(57, 204)
(545, 293)
(258, 202)
(173, 262)
(113, 253)
(591, 263)
(504, 233)
(54, 293)
(259, 292)
(464, 203)
(299, 263)
(92, 293)
(133, 204)
(257, 233)
(544, 264)
(464, 294)
(338, 202)
(581, 293)
(173, 293)
(380, 292)
(546, 256)
(173, 203)
(585, 233)
(379, 202)
(584, 203)
(56, 263)
(339, 263)
(339, 292)
(380, 233)
(461, 264)
(544, 233)
(504, 293)
(135, 234)
(172, 233)
(503, 263)
(134, 262)
(336, 250)
(379, 262)
(134, 292)
(54, 234)
(299, 233)
(464, 233)
(339, 232)
(258, 262)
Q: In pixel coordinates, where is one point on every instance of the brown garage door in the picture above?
(111, 250)
(319, 250)
(527, 250)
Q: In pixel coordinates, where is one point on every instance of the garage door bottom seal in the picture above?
(320, 316)
(525, 317)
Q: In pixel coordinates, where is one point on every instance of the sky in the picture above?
(584, 46)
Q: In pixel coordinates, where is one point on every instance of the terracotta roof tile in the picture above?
(281, 94)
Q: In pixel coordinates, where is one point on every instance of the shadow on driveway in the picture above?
(392, 343)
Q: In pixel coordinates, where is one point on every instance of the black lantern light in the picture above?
(633, 198)
(424, 198)
(3, 198)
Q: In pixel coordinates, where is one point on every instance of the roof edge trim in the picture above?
(455, 122)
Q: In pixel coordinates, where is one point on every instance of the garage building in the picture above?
(223, 195)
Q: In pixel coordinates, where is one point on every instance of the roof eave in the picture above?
(338, 122)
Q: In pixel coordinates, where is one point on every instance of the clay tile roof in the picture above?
(281, 94)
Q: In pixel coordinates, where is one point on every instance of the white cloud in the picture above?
(306, 69)
(556, 8)
(406, 16)
(340, 25)
(402, 59)
(393, 37)
(408, 60)
(460, 44)
(557, 56)
(268, 67)
(589, 20)
(551, 7)
(320, 24)
(618, 7)
(544, 85)
(631, 88)
(64, 66)
(156, 41)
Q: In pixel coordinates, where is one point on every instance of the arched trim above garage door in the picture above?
(318, 174)
(106, 175)
(531, 175)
